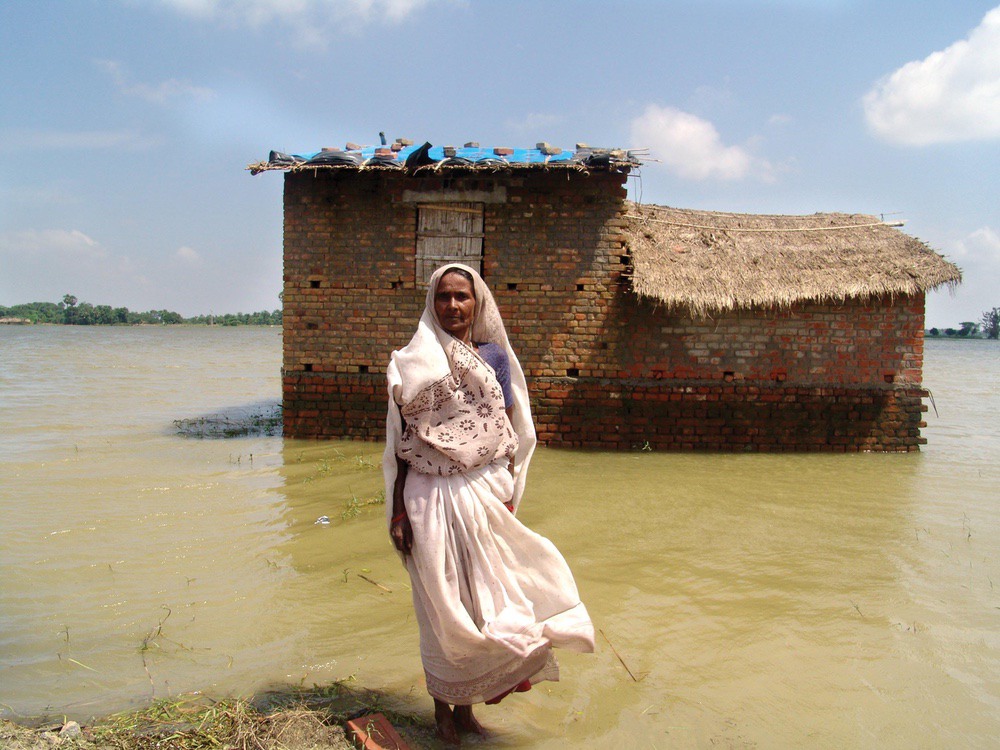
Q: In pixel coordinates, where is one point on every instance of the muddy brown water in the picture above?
(758, 600)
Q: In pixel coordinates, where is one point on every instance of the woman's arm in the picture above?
(510, 418)
(510, 466)
(400, 529)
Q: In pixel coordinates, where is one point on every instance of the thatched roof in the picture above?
(710, 262)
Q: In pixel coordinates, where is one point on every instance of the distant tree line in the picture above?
(987, 327)
(72, 312)
(262, 318)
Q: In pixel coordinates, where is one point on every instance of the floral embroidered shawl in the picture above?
(451, 400)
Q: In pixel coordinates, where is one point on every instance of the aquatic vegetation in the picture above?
(257, 421)
(355, 505)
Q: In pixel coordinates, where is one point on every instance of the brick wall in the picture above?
(605, 369)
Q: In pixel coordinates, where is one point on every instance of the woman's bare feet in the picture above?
(445, 721)
(466, 722)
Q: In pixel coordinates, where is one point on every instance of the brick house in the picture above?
(636, 325)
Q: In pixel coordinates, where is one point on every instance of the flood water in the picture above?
(766, 601)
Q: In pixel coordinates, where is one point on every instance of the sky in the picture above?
(127, 125)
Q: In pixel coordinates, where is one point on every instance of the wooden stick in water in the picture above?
(375, 583)
(618, 655)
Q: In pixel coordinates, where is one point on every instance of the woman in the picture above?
(492, 597)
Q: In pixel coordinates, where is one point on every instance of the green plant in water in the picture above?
(355, 505)
(365, 463)
(325, 466)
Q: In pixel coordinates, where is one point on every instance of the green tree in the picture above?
(69, 309)
(934, 332)
(969, 328)
(991, 323)
(36, 312)
(104, 315)
(82, 314)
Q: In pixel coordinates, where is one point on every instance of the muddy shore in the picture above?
(286, 720)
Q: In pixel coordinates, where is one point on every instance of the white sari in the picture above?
(492, 598)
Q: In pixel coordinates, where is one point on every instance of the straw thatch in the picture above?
(711, 262)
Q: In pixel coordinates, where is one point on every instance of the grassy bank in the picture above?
(278, 720)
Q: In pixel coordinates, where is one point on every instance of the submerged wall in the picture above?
(604, 368)
(813, 377)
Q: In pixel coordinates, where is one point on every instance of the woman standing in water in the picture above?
(492, 597)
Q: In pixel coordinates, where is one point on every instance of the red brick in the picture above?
(374, 732)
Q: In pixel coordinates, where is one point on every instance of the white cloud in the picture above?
(989, 240)
(44, 264)
(980, 246)
(17, 139)
(978, 255)
(308, 19)
(951, 95)
(188, 255)
(692, 148)
(158, 93)
(57, 244)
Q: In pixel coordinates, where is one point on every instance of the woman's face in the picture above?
(455, 304)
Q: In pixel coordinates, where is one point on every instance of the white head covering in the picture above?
(425, 360)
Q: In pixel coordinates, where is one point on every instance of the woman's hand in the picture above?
(399, 528)
(402, 535)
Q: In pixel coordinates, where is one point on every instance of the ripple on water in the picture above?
(759, 600)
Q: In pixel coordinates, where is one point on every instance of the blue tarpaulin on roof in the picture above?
(426, 155)
(472, 154)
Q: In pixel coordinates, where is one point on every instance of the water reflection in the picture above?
(351, 598)
(727, 585)
(721, 577)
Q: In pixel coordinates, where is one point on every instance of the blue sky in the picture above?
(127, 124)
